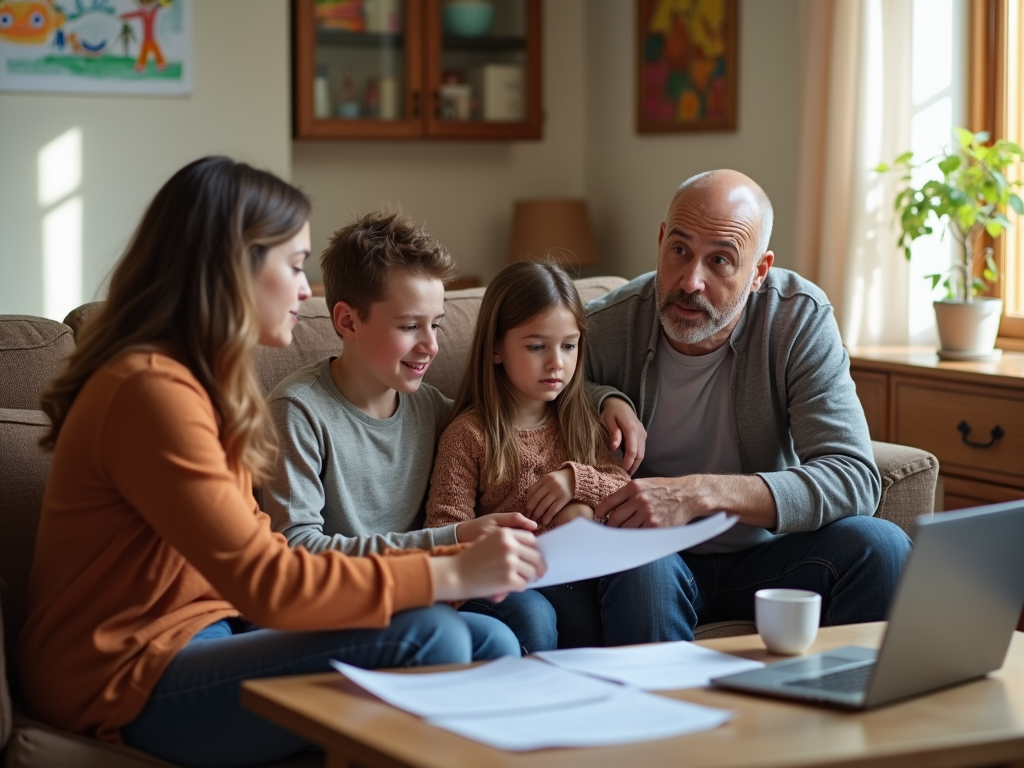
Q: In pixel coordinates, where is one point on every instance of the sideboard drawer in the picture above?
(929, 416)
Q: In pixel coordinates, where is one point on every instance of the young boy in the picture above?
(358, 431)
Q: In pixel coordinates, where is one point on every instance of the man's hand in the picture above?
(624, 429)
(503, 561)
(653, 502)
(471, 530)
(659, 502)
(548, 495)
(571, 511)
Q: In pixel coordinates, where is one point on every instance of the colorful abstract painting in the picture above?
(687, 65)
(96, 46)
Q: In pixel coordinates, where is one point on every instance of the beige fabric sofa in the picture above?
(32, 350)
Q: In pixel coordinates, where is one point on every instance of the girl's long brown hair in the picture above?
(518, 294)
(185, 284)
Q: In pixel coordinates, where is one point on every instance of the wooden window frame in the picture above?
(994, 95)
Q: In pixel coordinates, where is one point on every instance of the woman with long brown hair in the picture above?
(151, 547)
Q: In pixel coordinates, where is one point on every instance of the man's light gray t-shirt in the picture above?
(346, 480)
(691, 430)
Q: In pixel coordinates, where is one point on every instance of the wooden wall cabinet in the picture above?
(970, 415)
(384, 69)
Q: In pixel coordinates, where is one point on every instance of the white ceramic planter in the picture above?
(968, 329)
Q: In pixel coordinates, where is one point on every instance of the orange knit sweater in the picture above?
(457, 489)
(147, 536)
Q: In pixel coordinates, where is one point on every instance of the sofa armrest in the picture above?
(909, 476)
(5, 694)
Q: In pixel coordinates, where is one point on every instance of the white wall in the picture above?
(631, 177)
(462, 190)
(131, 145)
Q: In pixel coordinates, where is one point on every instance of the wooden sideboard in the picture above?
(970, 415)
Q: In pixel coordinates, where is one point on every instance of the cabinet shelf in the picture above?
(342, 39)
(485, 43)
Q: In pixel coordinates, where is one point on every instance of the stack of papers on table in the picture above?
(655, 667)
(524, 704)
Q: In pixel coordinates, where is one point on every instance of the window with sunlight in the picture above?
(997, 106)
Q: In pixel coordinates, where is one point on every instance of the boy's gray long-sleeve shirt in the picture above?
(348, 481)
(796, 418)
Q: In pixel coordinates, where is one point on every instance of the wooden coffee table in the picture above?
(976, 724)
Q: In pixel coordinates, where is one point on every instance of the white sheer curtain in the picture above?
(879, 77)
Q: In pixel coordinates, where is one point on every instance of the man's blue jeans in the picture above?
(194, 716)
(854, 565)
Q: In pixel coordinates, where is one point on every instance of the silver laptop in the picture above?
(957, 604)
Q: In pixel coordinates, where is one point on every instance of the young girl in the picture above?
(150, 543)
(523, 435)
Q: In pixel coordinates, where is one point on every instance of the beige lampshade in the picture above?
(556, 229)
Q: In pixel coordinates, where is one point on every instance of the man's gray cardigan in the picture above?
(796, 418)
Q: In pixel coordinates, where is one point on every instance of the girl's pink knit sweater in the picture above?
(457, 489)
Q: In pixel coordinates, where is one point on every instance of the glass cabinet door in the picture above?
(483, 68)
(398, 69)
(357, 67)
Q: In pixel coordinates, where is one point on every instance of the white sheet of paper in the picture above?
(584, 549)
(654, 667)
(627, 717)
(505, 686)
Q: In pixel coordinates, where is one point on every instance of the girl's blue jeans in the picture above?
(194, 716)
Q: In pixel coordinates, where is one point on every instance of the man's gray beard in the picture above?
(683, 331)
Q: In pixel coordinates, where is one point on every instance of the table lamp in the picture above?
(558, 229)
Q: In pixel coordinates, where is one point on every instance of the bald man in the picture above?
(741, 384)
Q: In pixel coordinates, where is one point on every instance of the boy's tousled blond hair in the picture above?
(518, 294)
(360, 257)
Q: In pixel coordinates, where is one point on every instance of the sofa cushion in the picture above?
(461, 309)
(23, 469)
(34, 347)
(5, 694)
(76, 317)
(314, 338)
(34, 744)
(724, 629)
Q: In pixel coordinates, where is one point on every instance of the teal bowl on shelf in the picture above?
(467, 19)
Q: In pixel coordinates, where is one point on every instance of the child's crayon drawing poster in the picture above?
(96, 46)
(686, 68)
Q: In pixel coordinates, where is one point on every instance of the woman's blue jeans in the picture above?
(194, 716)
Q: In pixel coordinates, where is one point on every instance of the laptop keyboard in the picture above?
(852, 680)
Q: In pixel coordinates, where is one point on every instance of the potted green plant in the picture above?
(971, 197)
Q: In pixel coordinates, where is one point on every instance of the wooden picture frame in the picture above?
(686, 71)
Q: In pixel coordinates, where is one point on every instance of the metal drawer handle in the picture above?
(965, 430)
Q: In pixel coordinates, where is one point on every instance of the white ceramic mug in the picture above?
(787, 619)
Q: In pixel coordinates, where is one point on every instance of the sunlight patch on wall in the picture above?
(59, 179)
(62, 259)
